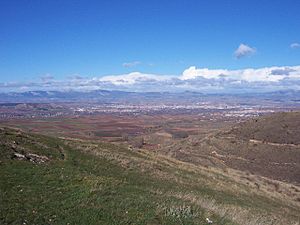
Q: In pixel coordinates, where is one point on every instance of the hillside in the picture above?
(282, 128)
(267, 146)
(61, 181)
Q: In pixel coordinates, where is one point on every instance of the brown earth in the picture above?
(282, 128)
(267, 146)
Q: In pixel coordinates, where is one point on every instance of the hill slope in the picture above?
(267, 146)
(53, 181)
(282, 128)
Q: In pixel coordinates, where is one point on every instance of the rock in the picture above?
(19, 156)
(31, 157)
(209, 221)
(36, 158)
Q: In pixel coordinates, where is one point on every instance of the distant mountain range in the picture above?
(104, 96)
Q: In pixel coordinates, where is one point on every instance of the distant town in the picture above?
(205, 109)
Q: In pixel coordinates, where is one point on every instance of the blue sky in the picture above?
(61, 39)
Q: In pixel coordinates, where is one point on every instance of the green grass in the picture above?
(109, 184)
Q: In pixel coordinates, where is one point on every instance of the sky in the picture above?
(152, 45)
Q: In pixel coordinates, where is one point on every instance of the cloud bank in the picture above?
(192, 79)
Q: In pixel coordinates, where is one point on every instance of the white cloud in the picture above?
(193, 78)
(193, 72)
(267, 74)
(244, 50)
(131, 64)
(295, 45)
(132, 78)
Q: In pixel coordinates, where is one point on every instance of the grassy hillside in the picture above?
(53, 181)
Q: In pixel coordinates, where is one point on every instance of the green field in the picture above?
(85, 182)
